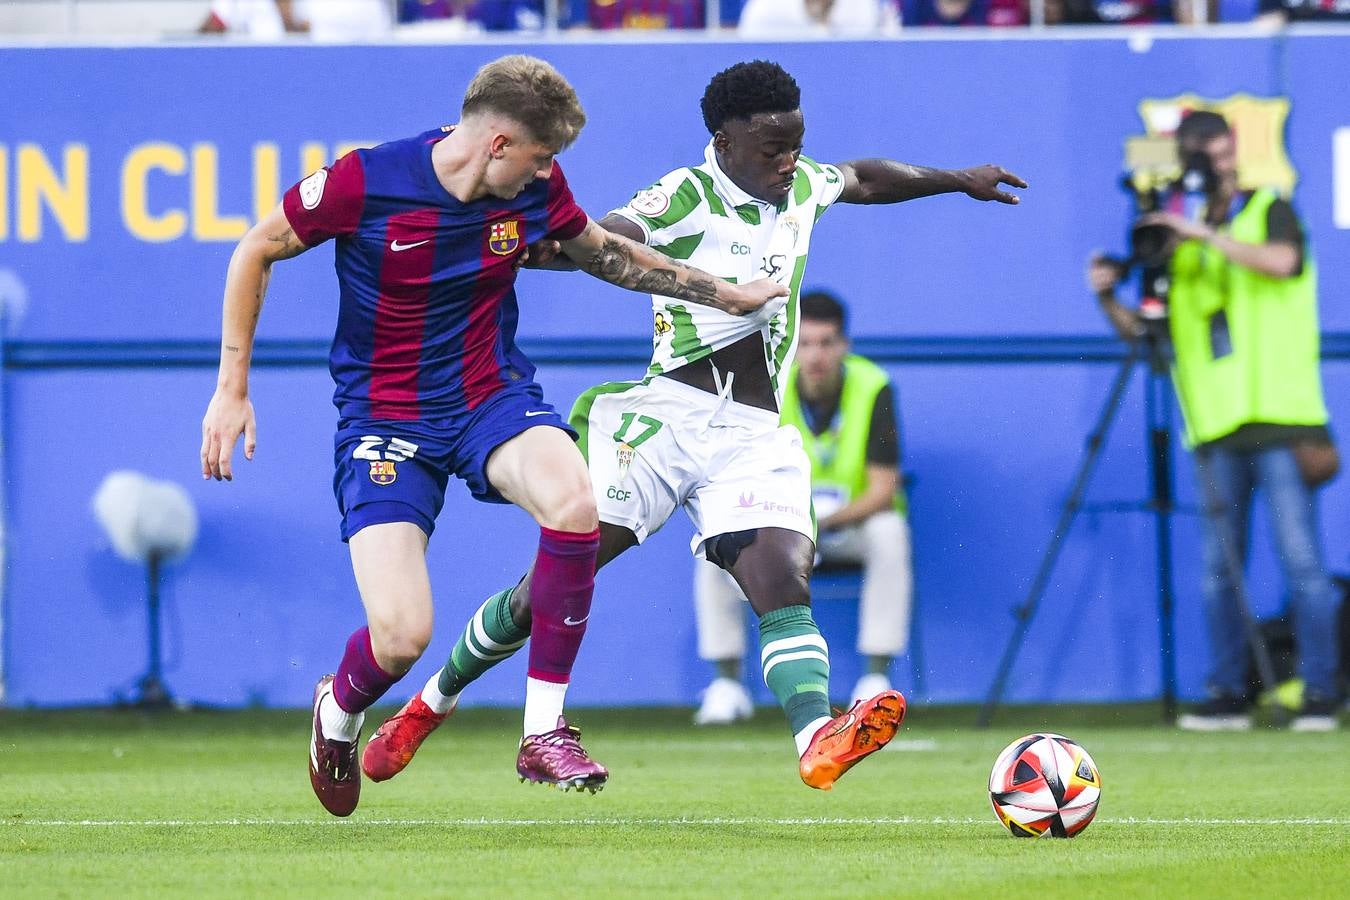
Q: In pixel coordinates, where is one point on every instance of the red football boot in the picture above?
(391, 748)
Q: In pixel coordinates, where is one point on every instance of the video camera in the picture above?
(1159, 181)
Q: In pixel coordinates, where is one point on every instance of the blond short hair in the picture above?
(529, 91)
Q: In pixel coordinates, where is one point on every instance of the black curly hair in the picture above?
(748, 88)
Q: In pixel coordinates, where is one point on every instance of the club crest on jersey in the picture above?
(662, 327)
(504, 237)
(624, 454)
(651, 202)
(382, 471)
(311, 189)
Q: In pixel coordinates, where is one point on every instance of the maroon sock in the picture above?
(360, 681)
(560, 601)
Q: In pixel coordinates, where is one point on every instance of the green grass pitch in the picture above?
(201, 804)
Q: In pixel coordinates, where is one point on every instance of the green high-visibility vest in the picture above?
(839, 456)
(1272, 373)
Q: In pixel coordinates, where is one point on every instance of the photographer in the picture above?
(1243, 322)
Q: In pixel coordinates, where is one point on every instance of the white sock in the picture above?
(803, 737)
(543, 705)
(432, 696)
(337, 723)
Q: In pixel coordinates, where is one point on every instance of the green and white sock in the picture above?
(490, 637)
(432, 696)
(796, 665)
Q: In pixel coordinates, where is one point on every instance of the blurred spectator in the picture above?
(779, 18)
(1129, 12)
(1280, 12)
(324, 20)
(410, 11)
(489, 15)
(345, 21)
(965, 12)
(1118, 12)
(265, 20)
(609, 14)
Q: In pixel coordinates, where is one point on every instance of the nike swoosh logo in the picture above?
(354, 687)
(845, 725)
(396, 246)
(567, 620)
(538, 412)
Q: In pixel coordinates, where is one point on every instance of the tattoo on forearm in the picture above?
(288, 244)
(232, 348)
(665, 283)
(614, 263)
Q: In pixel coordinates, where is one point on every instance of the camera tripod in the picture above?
(1151, 346)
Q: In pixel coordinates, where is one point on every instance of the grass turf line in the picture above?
(218, 804)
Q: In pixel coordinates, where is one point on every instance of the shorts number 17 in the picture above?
(626, 422)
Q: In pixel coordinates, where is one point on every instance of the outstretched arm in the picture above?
(230, 412)
(619, 260)
(888, 181)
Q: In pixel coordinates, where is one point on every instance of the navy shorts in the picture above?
(392, 471)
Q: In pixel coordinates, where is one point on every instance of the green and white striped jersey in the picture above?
(698, 215)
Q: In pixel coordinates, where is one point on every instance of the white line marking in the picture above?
(620, 822)
(913, 745)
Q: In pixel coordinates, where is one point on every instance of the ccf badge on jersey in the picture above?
(624, 454)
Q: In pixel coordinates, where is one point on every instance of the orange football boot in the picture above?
(844, 740)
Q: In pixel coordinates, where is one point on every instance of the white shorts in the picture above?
(657, 446)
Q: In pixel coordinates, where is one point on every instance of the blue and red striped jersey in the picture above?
(427, 315)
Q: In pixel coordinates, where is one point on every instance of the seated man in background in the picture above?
(844, 407)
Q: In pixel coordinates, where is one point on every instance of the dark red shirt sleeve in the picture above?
(329, 202)
(566, 220)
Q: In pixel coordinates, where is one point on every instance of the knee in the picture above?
(575, 512)
(399, 643)
(885, 528)
(785, 588)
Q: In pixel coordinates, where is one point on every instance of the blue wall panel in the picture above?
(263, 604)
(965, 269)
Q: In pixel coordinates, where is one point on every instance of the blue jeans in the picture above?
(1314, 600)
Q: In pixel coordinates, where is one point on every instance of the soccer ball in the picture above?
(1044, 784)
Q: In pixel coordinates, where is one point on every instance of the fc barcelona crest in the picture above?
(382, 471)
(504, 237)
(1257, 122)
